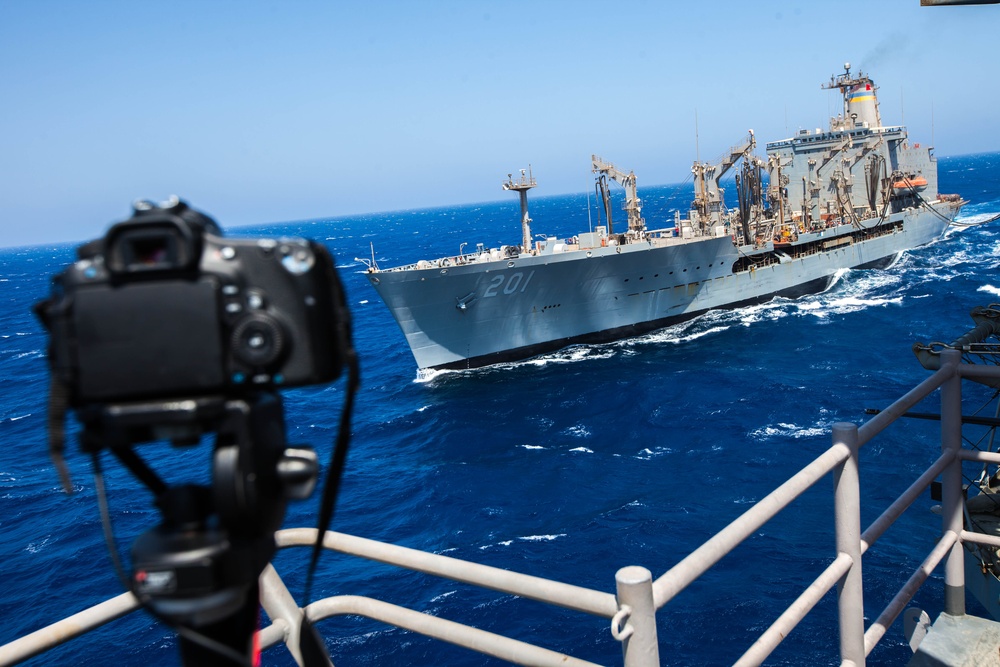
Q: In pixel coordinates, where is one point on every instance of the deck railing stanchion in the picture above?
(635, 600)
(951, 488)
(847, 523)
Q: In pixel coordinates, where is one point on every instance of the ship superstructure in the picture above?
(852, 196)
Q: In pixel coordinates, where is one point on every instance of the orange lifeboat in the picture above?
(910, 183)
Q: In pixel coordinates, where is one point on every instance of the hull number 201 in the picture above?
(508, 284)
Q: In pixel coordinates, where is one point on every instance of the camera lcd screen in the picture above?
(149, 339)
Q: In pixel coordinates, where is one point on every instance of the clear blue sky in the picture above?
(274, 111)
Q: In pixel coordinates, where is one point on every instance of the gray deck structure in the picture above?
(959, 641)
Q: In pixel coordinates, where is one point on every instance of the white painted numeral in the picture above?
(511, 284)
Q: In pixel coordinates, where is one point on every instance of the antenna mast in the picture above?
(521, 187)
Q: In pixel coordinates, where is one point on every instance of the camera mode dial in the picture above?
(298, 259)
(258, 340)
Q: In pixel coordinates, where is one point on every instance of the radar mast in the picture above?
(521, 186)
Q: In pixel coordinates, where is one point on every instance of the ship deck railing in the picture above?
(664, 235)
(631, 609)
(454, 260)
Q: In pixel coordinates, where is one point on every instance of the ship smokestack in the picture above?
(862, 106)
(860, 100)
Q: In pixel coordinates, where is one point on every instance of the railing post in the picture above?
(952, 497)
(635, 600)
(847, 522)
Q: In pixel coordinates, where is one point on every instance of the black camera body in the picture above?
(163, 307)
(166, 330)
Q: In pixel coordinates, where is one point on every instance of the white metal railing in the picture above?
(632, 609)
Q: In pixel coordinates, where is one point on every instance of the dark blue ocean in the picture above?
(567, 466)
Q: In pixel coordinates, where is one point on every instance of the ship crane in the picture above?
(750, 196)
(633, 205)
(708, 195)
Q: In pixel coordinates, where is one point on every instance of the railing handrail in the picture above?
(843, 571)
(569, 596)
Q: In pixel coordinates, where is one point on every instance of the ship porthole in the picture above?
(444, 271)
(590, 254)
(510, 263)
(618, 250)
(375, 281)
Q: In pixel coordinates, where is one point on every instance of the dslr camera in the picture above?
(166, 330)
(164, 306)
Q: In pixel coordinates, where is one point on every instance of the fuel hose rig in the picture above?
(165, 330)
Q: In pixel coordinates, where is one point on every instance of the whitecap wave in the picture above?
(442, 596)
(852, 304)
(363, 638)
(954, 259)
(648, 454)
(771, 311)
(427, 375)
(786, 430)
(585, 450)
(567, 355)
(974, 219)
(675, 335)
(35, 547)
(502, 543)
(990, 289)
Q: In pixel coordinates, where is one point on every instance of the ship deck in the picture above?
(959, 641)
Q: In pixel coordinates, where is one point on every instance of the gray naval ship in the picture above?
(853, 196)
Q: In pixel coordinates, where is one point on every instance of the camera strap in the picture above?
(58, 403)
(335, 472)
(311, 645)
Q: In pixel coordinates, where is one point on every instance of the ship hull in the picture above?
(484, 313)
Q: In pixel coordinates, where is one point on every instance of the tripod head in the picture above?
(198, 568)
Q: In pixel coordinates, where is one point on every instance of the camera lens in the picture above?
(258, 340)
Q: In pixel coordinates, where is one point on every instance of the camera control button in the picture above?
(234, 307)
(227, 252)
(255, 300)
